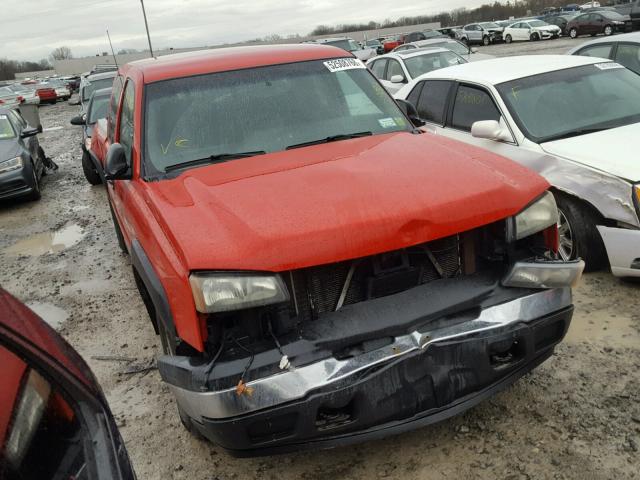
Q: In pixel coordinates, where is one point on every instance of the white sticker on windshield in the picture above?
(608, 65)
(340, 64)
(387, 122)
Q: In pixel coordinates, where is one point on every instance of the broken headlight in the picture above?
(538, 216)
(9, 165)
(225, 291)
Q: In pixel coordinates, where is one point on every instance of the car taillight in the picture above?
(552, 238)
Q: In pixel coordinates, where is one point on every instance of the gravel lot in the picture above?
(577, 416)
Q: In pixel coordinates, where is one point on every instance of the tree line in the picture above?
(460, 16)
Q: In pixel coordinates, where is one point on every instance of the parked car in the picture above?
(9, 98)
(582, 149)
(587, 5)
(595, 23)
(394, 70)
(22, 161)
(572, 7)
(624, 49)
(46, 93)
(26, 92)
(91, 83)
(375, 44)
(451, 32)
(298, 253)
(531, 30)
(560, 21)
(484, 33)
(470, 54)
(631, 8)
(424, 35)
(389, 43)
(351, 46)
(62, 91)
(54, 419)
(96, 111)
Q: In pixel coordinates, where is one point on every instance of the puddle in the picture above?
(89, 286)
(48, 242)
(51, 314)
(599, 327)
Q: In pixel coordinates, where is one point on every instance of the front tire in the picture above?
(535, 37)
(35, 192)
(89, 170)
(608, 30)
(508, 39)
(573, 33)
(486, 41)
(579, 237)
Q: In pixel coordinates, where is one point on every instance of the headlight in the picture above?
(13, 164)
(225, 292)
(538, 216)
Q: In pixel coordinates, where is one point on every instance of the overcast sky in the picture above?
(31, 29)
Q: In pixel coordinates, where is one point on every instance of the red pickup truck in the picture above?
(318, 269)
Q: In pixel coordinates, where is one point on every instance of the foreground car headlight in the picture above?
(536, 217)
(225, 292)
(13, 164)
(544, 274)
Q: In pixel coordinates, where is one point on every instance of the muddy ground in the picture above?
(575, 417)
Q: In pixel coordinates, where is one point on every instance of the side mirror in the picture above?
(29, 132)
(491, 130)
(78, 120)
(410, 111)
(397, 79)
(116, 166)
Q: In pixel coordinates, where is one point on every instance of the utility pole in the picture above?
(146, 25)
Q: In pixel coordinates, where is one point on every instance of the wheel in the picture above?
(579, 237)
(508, 39)
(35, 185)
(465, 40)
(535, 37)
(121, 242)
(573, 33)
(485, 40)
(608, 31)
(90, 172)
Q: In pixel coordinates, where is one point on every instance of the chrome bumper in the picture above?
(296, 383)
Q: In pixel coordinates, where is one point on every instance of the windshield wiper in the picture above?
(218, 158)
(574, 133)
(333, 138)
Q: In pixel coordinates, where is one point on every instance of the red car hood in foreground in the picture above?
(336, 201)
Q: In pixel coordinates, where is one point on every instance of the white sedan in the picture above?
(530, 30)
(575, 120)
(394, 70)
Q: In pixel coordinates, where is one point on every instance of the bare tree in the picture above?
(61, 53)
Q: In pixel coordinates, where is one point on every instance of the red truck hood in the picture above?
(337, 201)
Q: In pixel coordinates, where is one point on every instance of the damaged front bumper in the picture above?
(453, 356)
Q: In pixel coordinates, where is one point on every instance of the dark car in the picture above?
(559, 21)
(595, 23)
(424, 35)
(22, 161)
(623, 49)
(54, 420)
(377, 44)
(96, 110)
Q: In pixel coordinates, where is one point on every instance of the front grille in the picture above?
(317, 290)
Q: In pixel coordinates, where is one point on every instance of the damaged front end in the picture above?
(368, 347)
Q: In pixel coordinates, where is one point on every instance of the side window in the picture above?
(629, 56)
(433, 101)
(415, 94)
(394, 69)
(17, 119)
(378, 68)
(113, 107)
(472, 105)
(600, 51)
(125, 135)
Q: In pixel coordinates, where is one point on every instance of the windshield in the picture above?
(6, 130)
(564, 103)
(613, 16)
(432, 61)
(96, 85)
(456, 47)
(98, 109)
(538, 23)
(263, 110)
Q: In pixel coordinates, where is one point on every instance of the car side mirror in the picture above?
(410, 111)
(397, 79)
(116, 165)
(29, 132)
(491, 130)
(78, 120)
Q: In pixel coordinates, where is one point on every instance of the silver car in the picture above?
(624, 49)
(470, 54)
(575, 120)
